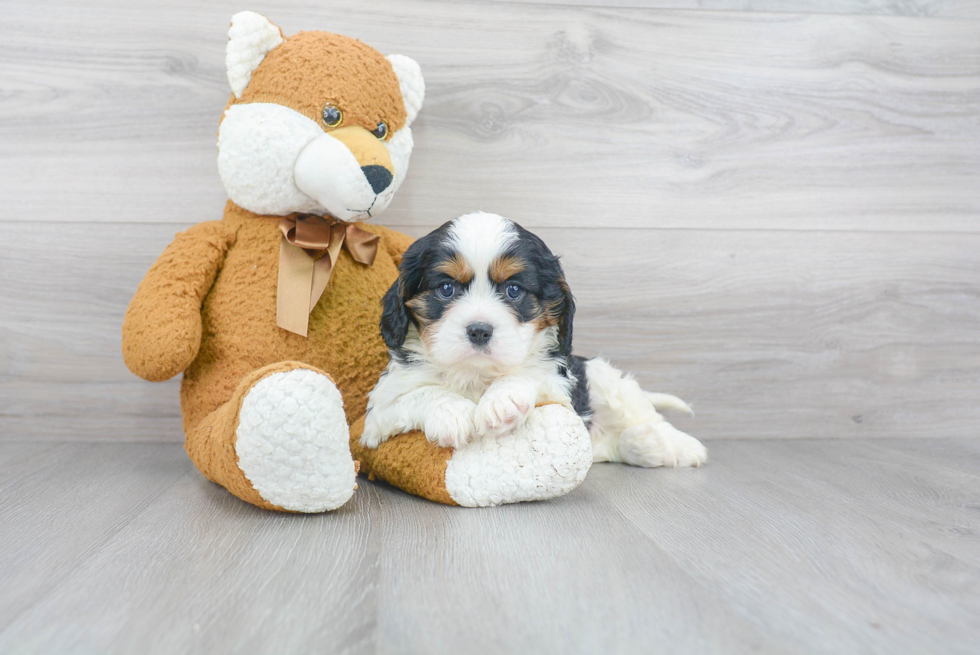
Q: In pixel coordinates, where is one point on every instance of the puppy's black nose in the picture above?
(479, 333)
(378, 177)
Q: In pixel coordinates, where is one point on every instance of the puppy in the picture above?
(479, 329)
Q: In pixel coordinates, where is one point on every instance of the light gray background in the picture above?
(767, 208)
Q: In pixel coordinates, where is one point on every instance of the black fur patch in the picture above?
(544, 278)
(416, 274)
(580, 392)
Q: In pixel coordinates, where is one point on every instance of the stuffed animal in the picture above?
(272, 314)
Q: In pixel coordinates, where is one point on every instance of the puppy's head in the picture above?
(481, 291)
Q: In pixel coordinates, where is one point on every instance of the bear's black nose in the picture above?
(378, 177)
(479, 333)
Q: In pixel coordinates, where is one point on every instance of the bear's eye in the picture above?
(332, 116)
(381, 131)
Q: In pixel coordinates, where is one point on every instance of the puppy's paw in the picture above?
(450, 423)
(373, 436)
(504, 407)
(660, 444)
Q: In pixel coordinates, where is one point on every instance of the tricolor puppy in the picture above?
(479, 328)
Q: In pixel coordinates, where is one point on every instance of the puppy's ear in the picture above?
(566, 313)
(394, 316)
(556, 295)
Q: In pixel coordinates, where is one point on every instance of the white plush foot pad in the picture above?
(547, 457)
(293, 442)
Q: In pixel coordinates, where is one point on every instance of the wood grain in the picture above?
(194, 570)
(530, 578)
(859, 331)
(781, 334)
(768, 208)
(845, 521)
(63, 503)
(572, 116)
(811, 546)
(921, 8)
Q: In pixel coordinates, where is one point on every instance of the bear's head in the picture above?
(317, 123)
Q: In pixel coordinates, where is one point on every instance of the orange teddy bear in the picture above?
(272, 313)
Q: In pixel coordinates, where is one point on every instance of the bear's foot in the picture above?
(546, 457)
(293, 443)
(280, 443)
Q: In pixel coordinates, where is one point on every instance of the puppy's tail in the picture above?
(609, 387)
(664, 402)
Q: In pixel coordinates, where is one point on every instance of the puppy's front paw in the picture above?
(450, 423)
(504, 407)
(373, 436)
(660, 444)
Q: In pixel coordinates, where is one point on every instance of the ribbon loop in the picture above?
(307, 254)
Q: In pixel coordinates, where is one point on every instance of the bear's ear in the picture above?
(411, 83)
(250, 38)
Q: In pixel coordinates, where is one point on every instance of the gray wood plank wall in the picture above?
(774, 215)
(933, 8)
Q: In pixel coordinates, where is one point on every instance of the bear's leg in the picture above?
(546, 457)
(281, 442)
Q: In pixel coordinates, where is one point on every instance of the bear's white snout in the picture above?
(275, 161)
(327, 171)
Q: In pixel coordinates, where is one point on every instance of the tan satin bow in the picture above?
(307, 254)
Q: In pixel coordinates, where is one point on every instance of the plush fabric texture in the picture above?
(256, 165)
(211, 442)
(161, 335)
(238, 319)
(250, 38)
(546, 457)
(291, 442)
(412, 84)
(266, 411)
(208, 307)
(311, 68)
(276, 154)
(407, 461)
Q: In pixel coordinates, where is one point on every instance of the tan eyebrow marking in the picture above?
(506, 267)
(456, 268)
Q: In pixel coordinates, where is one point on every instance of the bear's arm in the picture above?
(394, 242)
(162, 330)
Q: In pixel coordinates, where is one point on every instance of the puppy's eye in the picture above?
(446, 291)
(332, 116)
(381, 131)
(514, 292)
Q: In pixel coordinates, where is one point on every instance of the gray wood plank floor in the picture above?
(777, 546)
